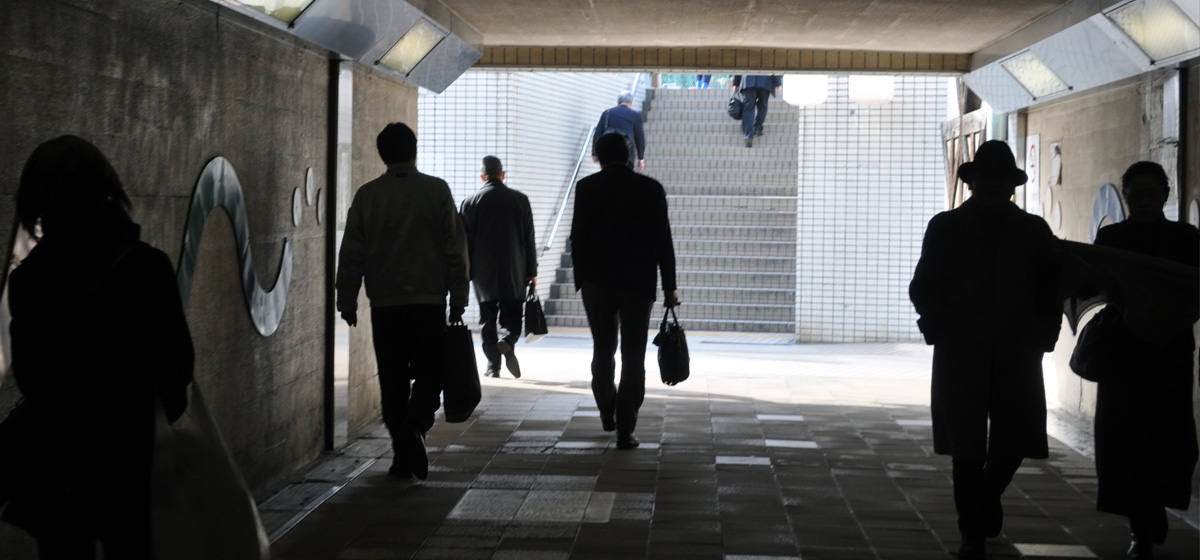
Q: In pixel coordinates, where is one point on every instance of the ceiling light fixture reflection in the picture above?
(1033, 75)
(416, 43)
(283, 10)
(1158, 27)
(872, 90)
(805, 89)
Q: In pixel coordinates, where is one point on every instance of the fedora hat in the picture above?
(993, 159)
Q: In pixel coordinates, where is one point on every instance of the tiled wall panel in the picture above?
(870, 178)
(534, 122)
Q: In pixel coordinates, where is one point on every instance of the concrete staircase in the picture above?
(733, 215)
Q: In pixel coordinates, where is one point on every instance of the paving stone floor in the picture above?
(769, 452)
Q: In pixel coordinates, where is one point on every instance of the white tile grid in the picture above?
(870, 178)
(533, 122)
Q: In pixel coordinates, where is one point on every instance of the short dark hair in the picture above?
(492, 168)
(1146, 169)
(611, 148)
(397, 144)
(66, 172)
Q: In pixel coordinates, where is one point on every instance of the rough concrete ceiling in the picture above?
(929, 26)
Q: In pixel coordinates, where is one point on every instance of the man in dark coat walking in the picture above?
(756, 91)
(623, 120)
(499, 224)
(985, 288)
(620, 240)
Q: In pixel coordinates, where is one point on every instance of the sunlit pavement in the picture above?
(769, 452)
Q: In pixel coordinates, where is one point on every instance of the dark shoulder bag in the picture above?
(1101, 351)
(673, 360)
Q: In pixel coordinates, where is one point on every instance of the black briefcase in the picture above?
(461, 392)
(735, 107)
(673, 361)
(535, 318)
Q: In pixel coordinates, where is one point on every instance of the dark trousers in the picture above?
(509, 312)
(608, 311)
(754, 110)
(410, 344)
(978, 484)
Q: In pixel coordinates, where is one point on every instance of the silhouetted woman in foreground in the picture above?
(98, 332)
(1145, 432)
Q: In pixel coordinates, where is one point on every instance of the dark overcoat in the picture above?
(98, 332)
(620, 233)
(629, 123)
(1145, 429)
(500, 240)
(985, 288)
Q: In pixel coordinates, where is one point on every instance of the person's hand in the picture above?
(533, 281)
(778, 89)
(641, 166)
(595, 159)
(735, 88)
(456, 314)
(671, 299)
(351, 317)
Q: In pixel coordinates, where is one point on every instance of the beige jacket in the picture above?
(405, 239)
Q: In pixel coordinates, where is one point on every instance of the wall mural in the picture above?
(1106, 205)
(219, 186)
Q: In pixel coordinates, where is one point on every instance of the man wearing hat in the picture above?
(623, 120)
(985, 288)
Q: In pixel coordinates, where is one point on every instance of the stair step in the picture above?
(685, 278)
(730, 295)
(697, 311)
(718, 247)
(714, 126)
(733, 204)
(738, 151)
(579, 321)
(734, 233)
(726, 218)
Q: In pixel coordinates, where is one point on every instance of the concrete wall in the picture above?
(162, 87)
(1102, 133)
(378, 100)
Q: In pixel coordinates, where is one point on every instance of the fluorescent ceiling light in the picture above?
(421, 38)
(1158, 27)
(283, 10)
(872, 90)
(805, 89)
(1033, 75)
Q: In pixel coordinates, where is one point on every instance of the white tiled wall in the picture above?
(870, 178)
(534, 122)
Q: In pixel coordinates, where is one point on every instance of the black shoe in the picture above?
(627, 441)
(399, 471)
(749, 141)
(972, 548)
(1141, 547)
(492, 371)
(415, 457)
(995, 518)
(608, 422)
(758, 133)
(510, 358)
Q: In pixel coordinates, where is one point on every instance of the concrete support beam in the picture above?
(717, 60)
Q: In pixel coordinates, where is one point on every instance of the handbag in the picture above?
(461, 392)
(1101, 351)
(672, 349)
(535, 318)
(200, 507)
(735, 107)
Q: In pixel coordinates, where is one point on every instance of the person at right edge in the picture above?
(756, 92)
(1145, 432)
(986, 290)
(620, 240)
(405, 241)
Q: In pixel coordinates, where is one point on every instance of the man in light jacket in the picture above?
(499, 225)
(405, 240)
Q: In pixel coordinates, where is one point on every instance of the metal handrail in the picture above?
(586, 141)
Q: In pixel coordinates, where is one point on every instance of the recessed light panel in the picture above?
(420, 39)
(284, 10)
(1158, 27)
(1033, 75)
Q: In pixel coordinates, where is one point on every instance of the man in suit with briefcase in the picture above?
(499, 224)
(620, 240)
